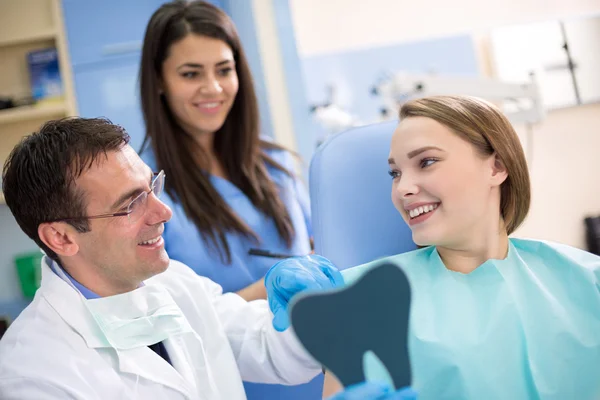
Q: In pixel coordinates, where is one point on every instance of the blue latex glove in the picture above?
(374, 391)
(294, 275)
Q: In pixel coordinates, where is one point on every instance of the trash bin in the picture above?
(592, 234)
(29, 271)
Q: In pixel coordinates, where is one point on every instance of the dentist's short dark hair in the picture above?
(38, 176)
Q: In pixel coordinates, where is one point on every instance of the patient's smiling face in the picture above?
(445, 190)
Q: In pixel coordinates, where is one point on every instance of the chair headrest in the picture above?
(354, 220)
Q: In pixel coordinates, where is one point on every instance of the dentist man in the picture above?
(114, 318)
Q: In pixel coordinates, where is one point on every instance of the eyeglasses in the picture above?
(138, 206)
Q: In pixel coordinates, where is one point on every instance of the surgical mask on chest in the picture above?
(142, 317)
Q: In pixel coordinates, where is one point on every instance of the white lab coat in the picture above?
(51, 350)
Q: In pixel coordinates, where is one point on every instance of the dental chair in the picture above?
(353, 218)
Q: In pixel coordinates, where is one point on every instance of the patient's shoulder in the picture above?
(407, 260)
(552, 252)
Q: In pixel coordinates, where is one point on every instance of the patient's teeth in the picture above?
(415, 212)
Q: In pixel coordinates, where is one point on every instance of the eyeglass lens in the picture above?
(137, 208)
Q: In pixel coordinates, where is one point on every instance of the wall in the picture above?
(339, 25)
(354, 79)
(564, 165)
(563, 149)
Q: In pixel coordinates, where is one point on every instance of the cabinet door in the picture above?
(110, 90)
(100, 30)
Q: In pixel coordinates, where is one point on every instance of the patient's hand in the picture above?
(294, 275)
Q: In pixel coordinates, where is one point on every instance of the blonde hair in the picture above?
(484, 126)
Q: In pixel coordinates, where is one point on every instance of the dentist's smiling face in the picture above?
(440, 185)
(121, 251)
(200, 83)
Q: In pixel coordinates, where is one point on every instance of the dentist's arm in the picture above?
(294, 275)
(262, 354)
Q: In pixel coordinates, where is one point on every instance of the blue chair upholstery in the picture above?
(354, 220)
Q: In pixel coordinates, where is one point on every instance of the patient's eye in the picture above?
(426, 162)
(394, 173)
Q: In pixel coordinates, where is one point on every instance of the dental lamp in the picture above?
(521, 102)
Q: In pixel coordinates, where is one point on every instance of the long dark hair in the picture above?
(237, 144)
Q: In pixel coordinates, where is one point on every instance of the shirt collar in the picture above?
(87, 293)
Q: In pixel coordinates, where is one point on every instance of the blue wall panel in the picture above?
(305, 127)
(101, 30)
(353, 73)
(243, 16)
(110, 89)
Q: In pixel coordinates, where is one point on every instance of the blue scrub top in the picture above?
(184, 243)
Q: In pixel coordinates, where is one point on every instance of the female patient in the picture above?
(491, 317)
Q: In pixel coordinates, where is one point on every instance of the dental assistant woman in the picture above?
(231, 191)
(492, 317)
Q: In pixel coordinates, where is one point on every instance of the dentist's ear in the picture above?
(499, 171)
(60, 237)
